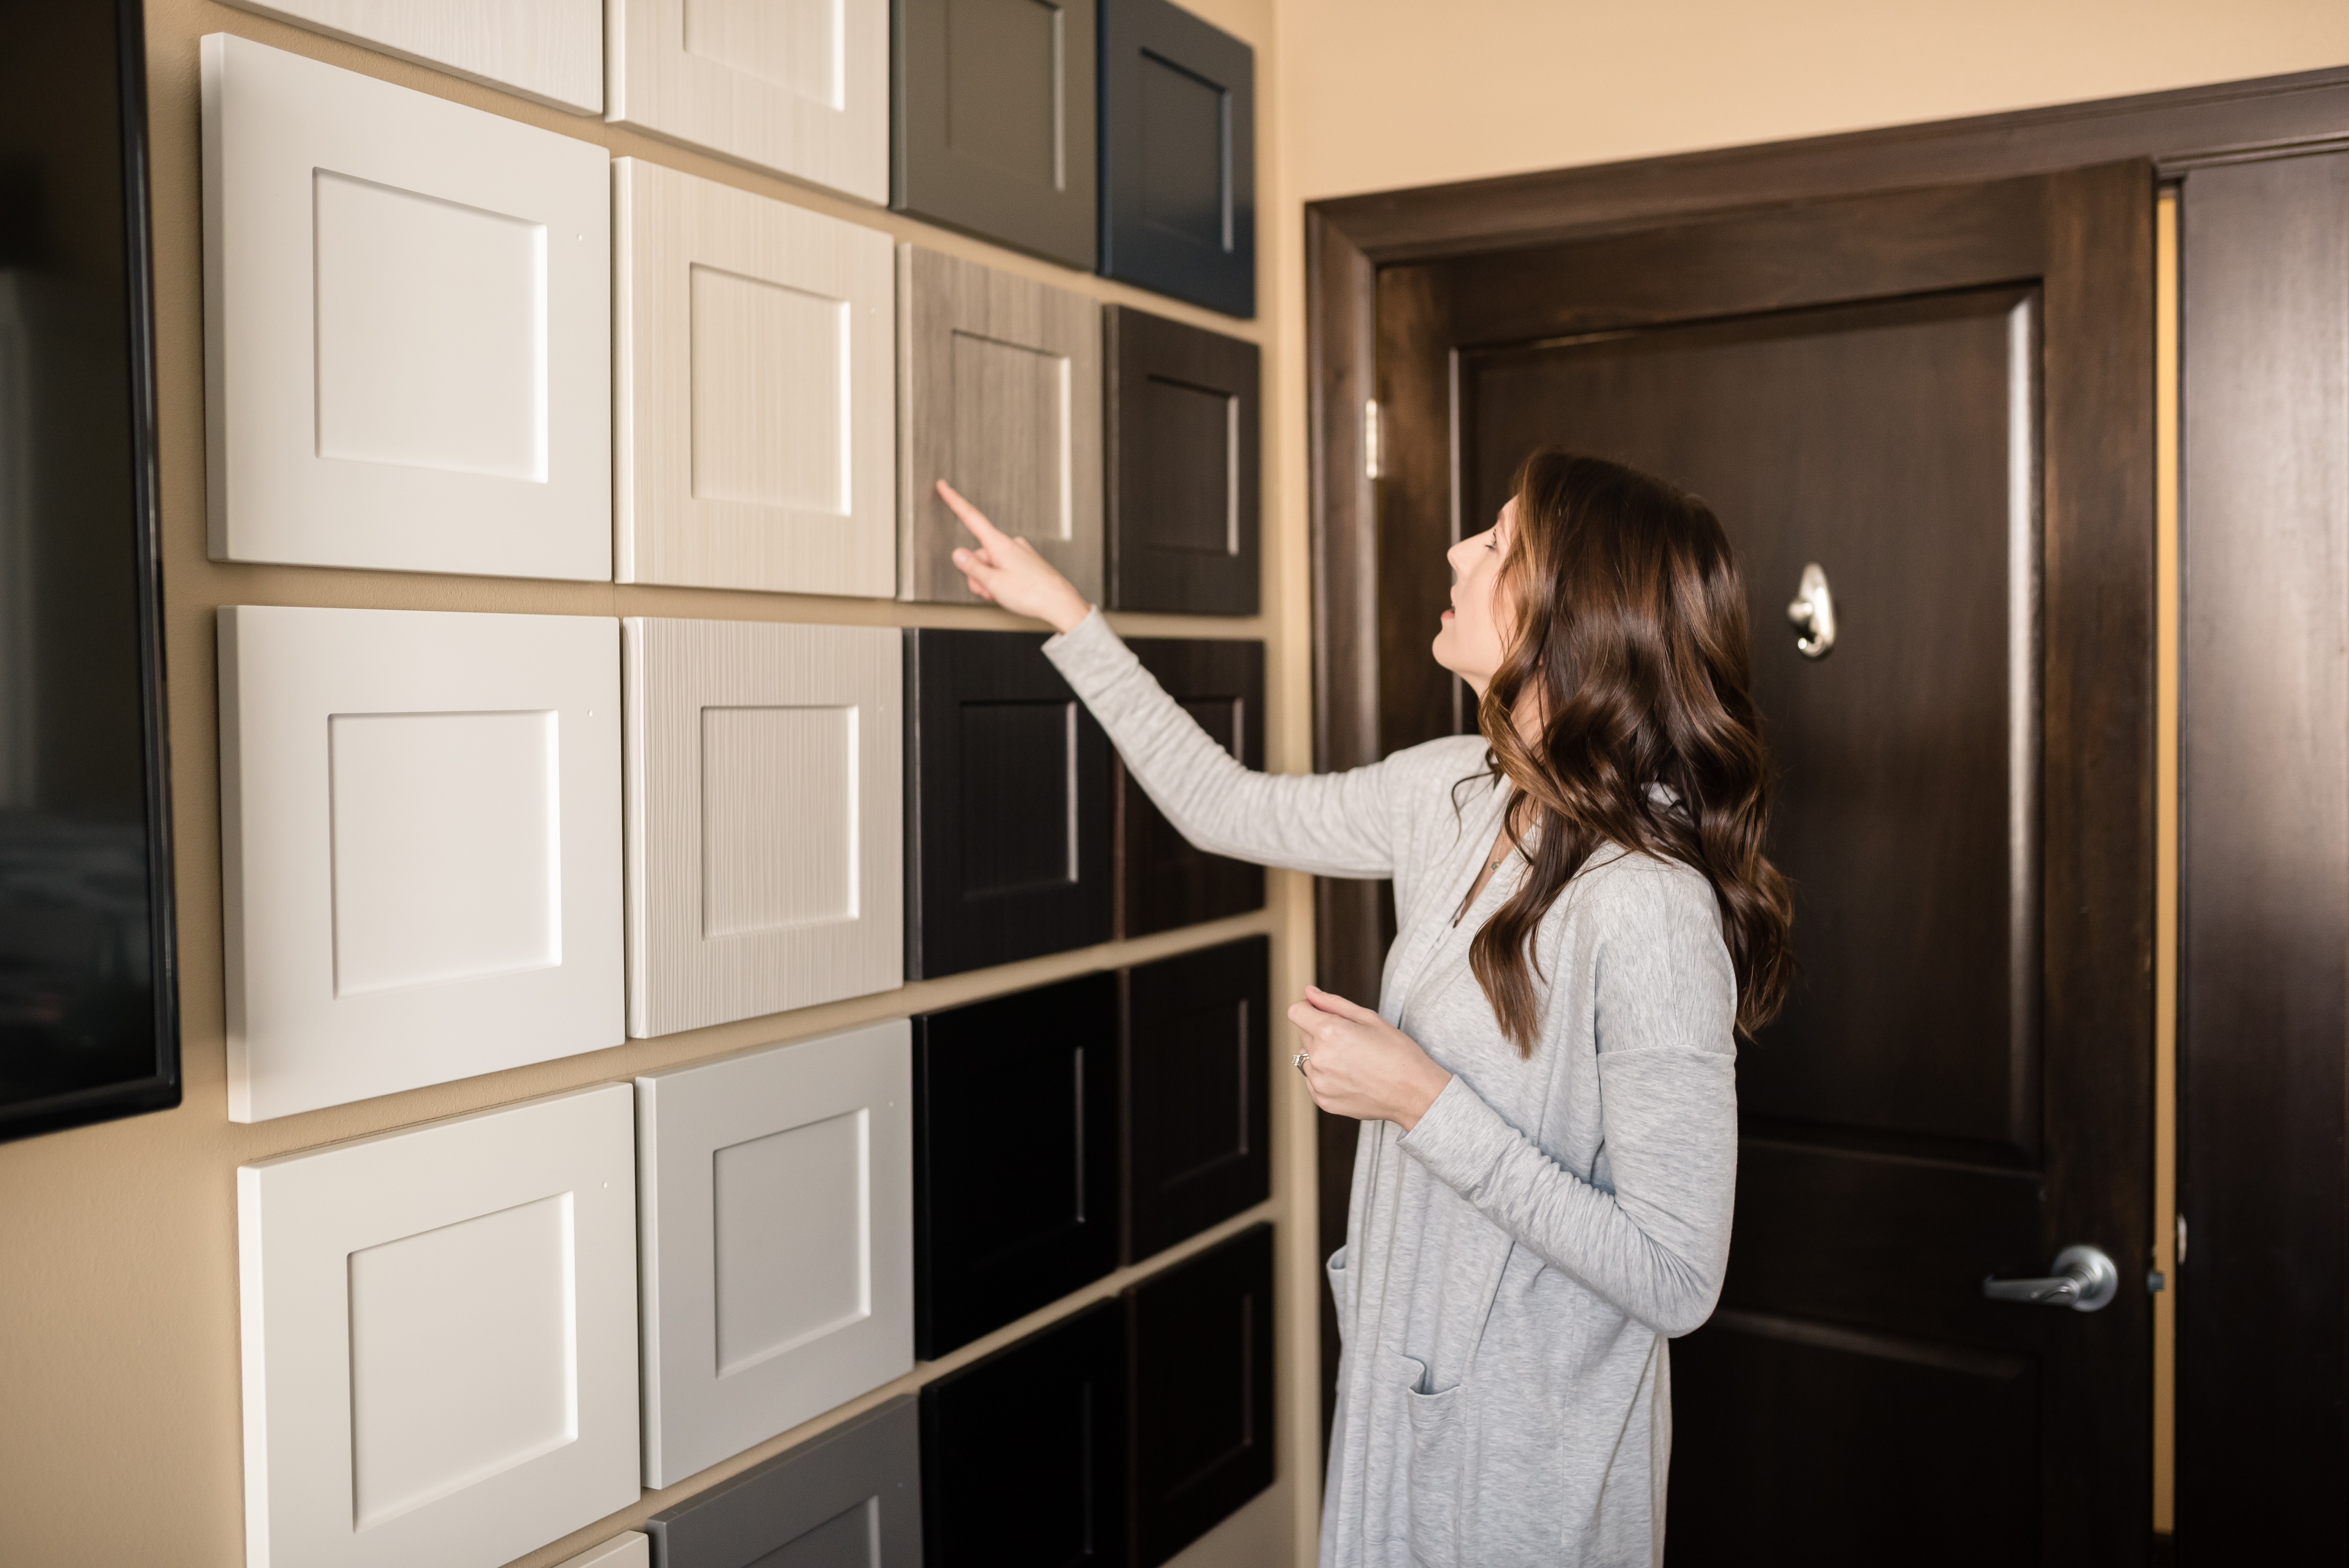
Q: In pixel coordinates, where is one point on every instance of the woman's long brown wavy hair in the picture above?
(1630, 639)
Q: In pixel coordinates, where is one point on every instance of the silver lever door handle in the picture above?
(2083, 1280)
(1812, 614)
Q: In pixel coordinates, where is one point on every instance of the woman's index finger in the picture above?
(972, 518)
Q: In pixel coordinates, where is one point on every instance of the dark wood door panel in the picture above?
(1198, 1121)
(1177, 155)
(1181, 415)
(851, 1498)
(1162, 881)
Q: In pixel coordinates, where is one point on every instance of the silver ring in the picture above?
(1299, 1060)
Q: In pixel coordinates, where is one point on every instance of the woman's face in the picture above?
(1476, 628)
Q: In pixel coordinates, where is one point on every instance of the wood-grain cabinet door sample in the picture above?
(797, 87)
(1177, 155)
(850, 1498)
(1181, 421)
(1007, 805)
(549, 50)
(1163, 880)
(756, 386)
(777, 1223)
(1198, 1122)
(1024, 1452)
(407, 327)
(439, 1336)
(999, 394)
(765, 829)
(1015, 1156)
(420, 848)
(993, 121)
(1202, 1379)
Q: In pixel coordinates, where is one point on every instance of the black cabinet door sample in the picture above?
(1007, 805)
(1201, 1349)
(1195, 1032)
(1015, 1156)
(1024, 1452)
(1162, 881)
(992, 121)
(1177, 156)
(852, 1496)
(1182, 412)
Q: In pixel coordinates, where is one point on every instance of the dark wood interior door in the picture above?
(1941, 398)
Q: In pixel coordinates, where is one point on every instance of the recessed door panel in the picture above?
(1184, 406)
(1197, 1117)
(849, 1497)
(1162, 881)
(1178, 155)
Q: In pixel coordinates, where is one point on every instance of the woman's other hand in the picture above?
(1359, 1065)
(1007, 572)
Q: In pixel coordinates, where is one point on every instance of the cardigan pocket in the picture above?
(1437, 1445)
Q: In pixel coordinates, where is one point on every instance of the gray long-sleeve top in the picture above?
(1513, 1263)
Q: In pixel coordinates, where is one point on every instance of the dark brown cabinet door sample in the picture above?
(1200, 1350)
(1015, 1156)
(1177, 156)
(1024, 1452)
(1197, 1126)
(1182, 418)
(992, 128)
(1162, 881)
(848, 1498)
(1008, 805)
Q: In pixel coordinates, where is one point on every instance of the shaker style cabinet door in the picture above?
(1199, 1126)
(798, 87)
(1162, 881)
(755, 391)
(1177, 156)
(1024, 1452)
(999, 394)
(851, 1498)
(1202, 1379)
(1007, 805)
(993, 121)
(549, 50)
(1015, 1156)
(1181, 421)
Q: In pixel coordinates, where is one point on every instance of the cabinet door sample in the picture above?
(850, 1498)
(1197, 1125)
(420, 848)
(439, 1330)
(998, 394)
(1007, 805)
(1023, 1452)
(1181, 422)
(756, 376)
(993, 121)
(799, 88)
(549, 50)
(1162, 881)
(764, 818)
(1177, 155)
(407, 327)
(1202, 1402)
(776, 1222)
(1015, 1156)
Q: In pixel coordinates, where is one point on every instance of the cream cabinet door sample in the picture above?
(800, 88)
(756, 374)
(420, 848)
(999, 394)
(765, 823)
(550, 50)
(407, 327)
(778, 1240)
(439, 1332)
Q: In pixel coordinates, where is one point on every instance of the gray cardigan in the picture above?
(1515, 1264)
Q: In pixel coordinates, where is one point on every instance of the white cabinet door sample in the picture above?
(756, 366)
(407, 327)
(439, 1337)
(765, 819)
(550, 50)
(800, 88)
(777, 1233)
(420, 847)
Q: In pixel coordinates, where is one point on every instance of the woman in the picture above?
(1543, 1190)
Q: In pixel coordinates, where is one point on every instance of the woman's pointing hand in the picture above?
(1008, 570)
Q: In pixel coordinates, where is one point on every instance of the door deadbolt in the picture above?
(1812, 614)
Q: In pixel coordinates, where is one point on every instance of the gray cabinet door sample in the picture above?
(1177, 155)
(1163, 880)
(992, 128)
(848, 1498)
(1195, 1032)
(1183, 408)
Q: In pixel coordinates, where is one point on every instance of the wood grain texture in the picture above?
(998, 394)
(1162, 881)
(754, 373)
(1182, 422)
(764, 830)
(549, 50)
(797, 87)
(1197, 1033)
(802, 1508)
(1177, 155)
